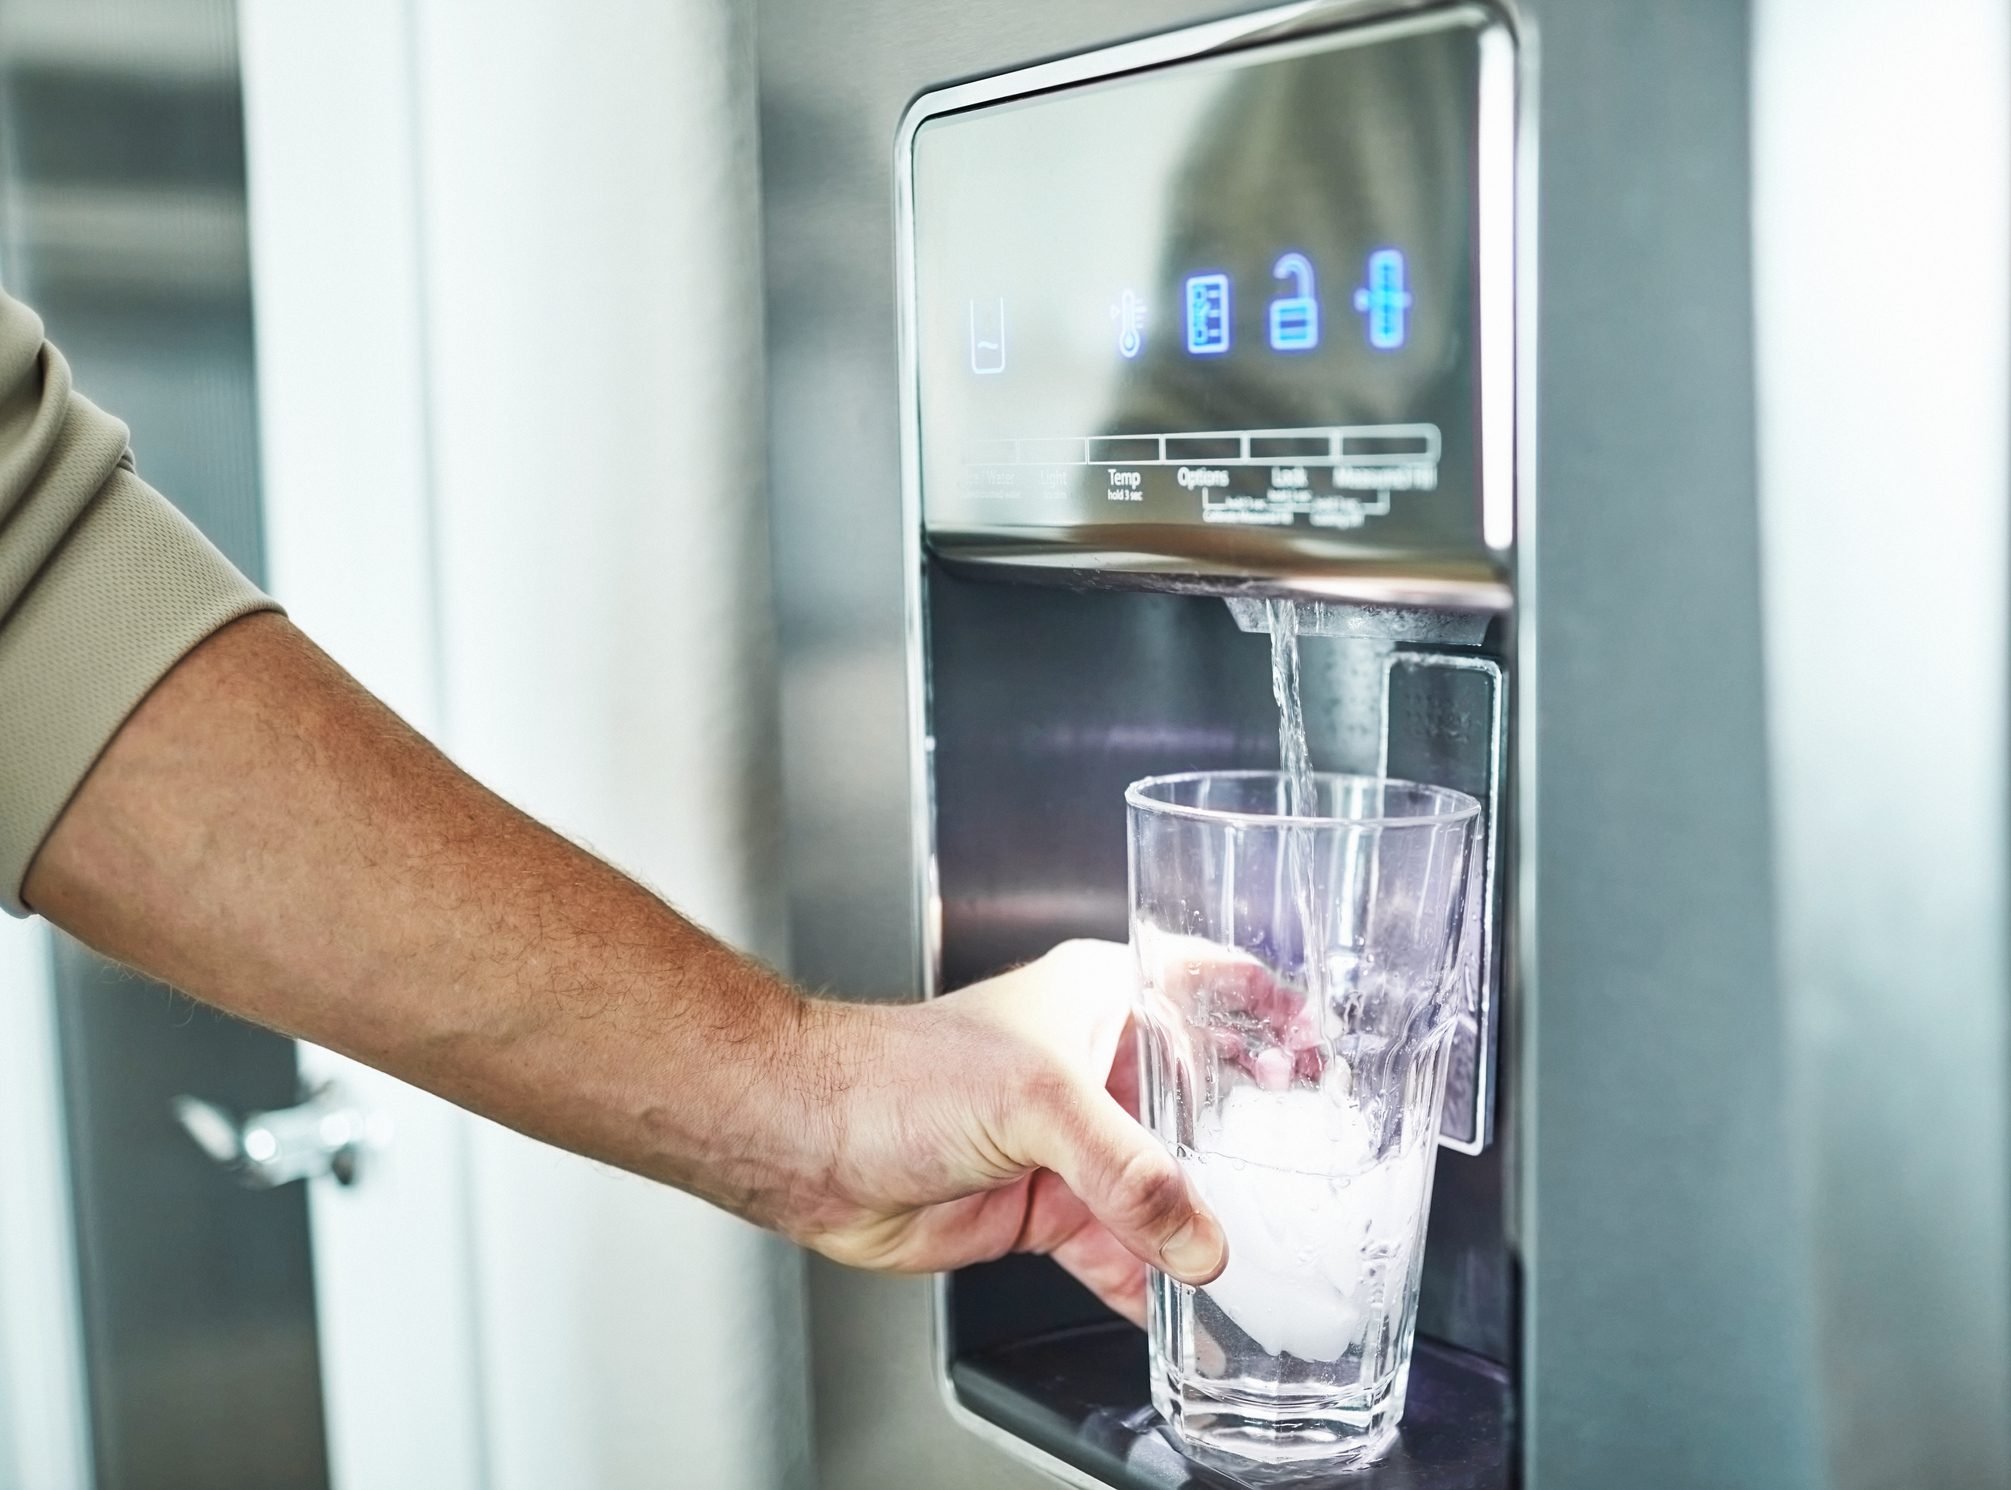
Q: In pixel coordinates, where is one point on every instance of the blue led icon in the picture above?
(1129, 313)
(1207, 314)
(988, 335)
(1386, 300)
(1295, 318)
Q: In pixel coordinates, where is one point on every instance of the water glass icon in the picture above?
(988, 335)
(1207, 314)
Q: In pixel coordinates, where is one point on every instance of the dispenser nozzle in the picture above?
(1384, 623)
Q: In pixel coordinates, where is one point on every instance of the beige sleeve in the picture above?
(103, 588)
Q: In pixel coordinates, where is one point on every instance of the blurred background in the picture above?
(539, 357)
(444, 321)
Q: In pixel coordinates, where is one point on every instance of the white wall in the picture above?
(509, 337)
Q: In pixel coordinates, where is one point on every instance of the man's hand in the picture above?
(1002, 1119)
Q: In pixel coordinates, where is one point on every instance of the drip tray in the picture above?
(1080, 1395)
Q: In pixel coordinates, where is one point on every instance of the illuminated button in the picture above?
(1129, 314)
(1386, 300)
(1295, 318)
(988, 335)
(1207, 314)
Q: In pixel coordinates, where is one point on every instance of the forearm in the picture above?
(265, 835)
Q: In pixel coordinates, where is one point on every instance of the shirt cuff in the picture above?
(131, 591)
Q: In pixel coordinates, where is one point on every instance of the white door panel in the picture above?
(593, 331)
(508, 296)
(44, 1425)
(336, 279)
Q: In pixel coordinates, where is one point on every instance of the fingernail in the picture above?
(1196, 1252)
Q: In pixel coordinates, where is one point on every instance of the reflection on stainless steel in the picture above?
(1197, 561)
(122, 219)
(1888, 627)
(1275, 161)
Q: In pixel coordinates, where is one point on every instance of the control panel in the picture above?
(1247, 315)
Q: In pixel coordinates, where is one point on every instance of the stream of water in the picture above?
(1301, 798)
(1292, 758)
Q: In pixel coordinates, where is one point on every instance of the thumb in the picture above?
(1127, 1179)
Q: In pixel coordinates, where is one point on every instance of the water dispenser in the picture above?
(1192, 324)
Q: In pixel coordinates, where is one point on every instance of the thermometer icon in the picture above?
(1129, 313)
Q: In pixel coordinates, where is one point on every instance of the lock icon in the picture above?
(1295, 318)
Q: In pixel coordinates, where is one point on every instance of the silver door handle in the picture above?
(325, 1135)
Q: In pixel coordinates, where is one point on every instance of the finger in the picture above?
(1189, 983)
(1126, 1071)
(1075, 1002)
(1126, 1178)
(1098, 1261)
(1060, 1226)
(1179, 966)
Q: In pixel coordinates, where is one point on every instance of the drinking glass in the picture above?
(1301, 977)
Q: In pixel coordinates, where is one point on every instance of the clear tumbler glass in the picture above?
(1301, 977)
